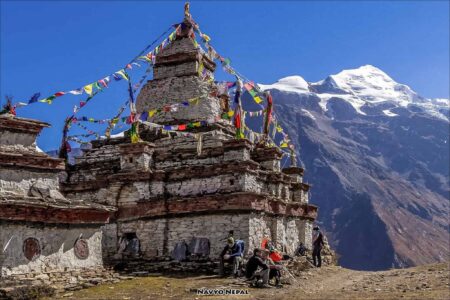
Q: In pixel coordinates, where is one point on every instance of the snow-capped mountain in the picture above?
(363, 88)
(377, 155)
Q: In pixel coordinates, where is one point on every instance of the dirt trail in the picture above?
(424, 282)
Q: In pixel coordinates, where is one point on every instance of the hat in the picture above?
(230, 240)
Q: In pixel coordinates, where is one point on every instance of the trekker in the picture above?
(275, 268)
(317, 246)
(301, 250)
(251, 269)
(232, 253)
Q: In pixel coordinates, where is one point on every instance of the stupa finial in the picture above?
(186, 10)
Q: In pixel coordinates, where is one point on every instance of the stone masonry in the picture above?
(168, 188)
(40, 229)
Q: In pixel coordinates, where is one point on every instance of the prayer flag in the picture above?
(182, 127)
(200, 69)
(197, 124)
(59, 94)
(194, 101)
(151, 113)
(48, 100)
(103, 82)
(97, 86)
(144, 116)
(257, 99)
(122, 74)
(34, 98)
(206, 38)
(20, 104)
(88, 89)
(76, 92)
(82, 103)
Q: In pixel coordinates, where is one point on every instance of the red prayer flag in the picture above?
(182, 127)
(58, 94)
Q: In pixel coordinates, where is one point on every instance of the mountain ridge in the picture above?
(376, 153)
(366, 85)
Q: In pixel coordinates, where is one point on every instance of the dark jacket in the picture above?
(318, 242)
(236, 250)
(252, 265)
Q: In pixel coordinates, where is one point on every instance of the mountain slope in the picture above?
(377, 156)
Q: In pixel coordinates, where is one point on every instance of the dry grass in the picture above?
(425, 282)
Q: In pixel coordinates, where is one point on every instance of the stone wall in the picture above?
(56, 244)
(285, 232)
(19, 181)
(176, 79)
(306, 231)
(157, 234)
(17, 141)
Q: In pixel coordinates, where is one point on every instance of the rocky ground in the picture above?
(331, 282)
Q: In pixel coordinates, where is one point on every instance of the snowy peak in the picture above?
(362, 87)
(288, 84)
(372, 85)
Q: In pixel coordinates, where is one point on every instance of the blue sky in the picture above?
(50, 46)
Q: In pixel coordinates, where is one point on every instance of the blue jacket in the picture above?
(236, 250)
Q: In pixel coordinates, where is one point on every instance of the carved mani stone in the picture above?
(81, 249)
(31, 248)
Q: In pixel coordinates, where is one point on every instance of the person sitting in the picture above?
(301, 250)
(275, 268)
(274, 255)
(257, 268)
(232, 253)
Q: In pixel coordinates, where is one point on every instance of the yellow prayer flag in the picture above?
(206, 38)
(134, 138)
(144, 58)
(47, 100)
(122, 74)
(88, 89)
(194, 101)
(230, 113)
(279, 129)
(200, 69)
(197, 124)
(91, 119)
(151, 113)
(257, 99)
(284, 145)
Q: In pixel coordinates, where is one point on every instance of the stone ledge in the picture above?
(266, 153)
(46, 213)
(294, 171)
(301, 186)
(16, 124)
(232, 203)
(33, 161)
